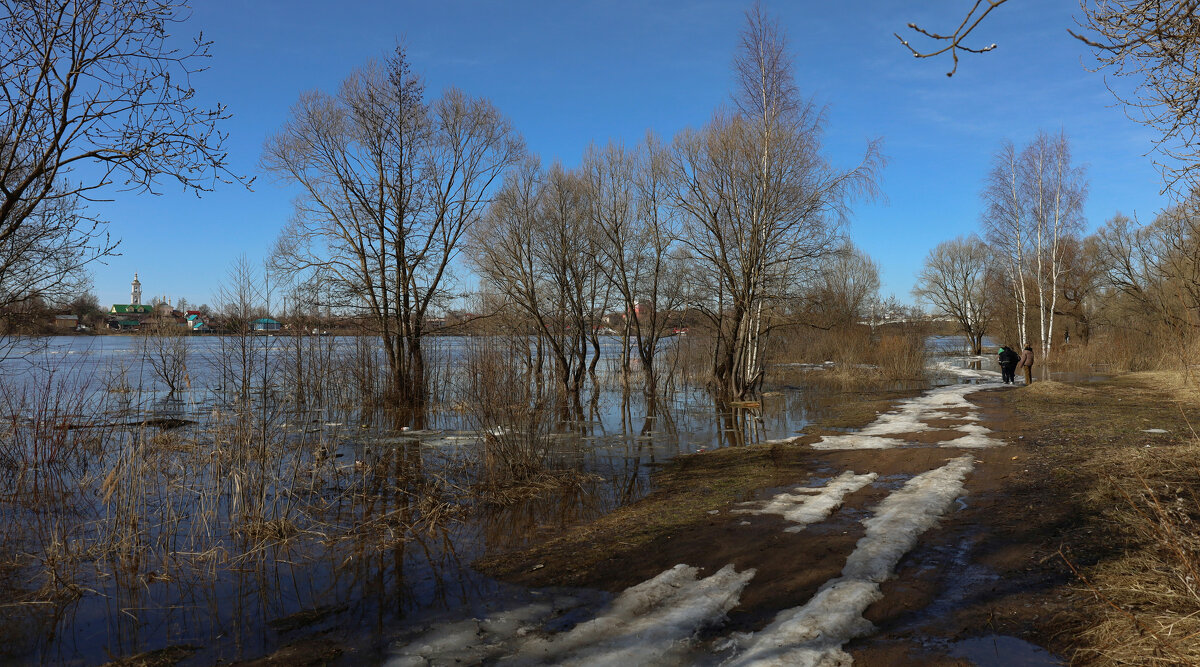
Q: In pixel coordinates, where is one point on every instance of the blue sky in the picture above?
(569, 73)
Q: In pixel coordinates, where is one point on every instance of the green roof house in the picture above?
(130, 309)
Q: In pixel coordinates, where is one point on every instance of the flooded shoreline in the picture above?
(144, 519)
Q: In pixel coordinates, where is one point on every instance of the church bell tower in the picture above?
(135, 294)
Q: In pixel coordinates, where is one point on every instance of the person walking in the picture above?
(1008, 364)
(1026, 363)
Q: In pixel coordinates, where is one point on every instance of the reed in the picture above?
(511, 409)
(99, 505)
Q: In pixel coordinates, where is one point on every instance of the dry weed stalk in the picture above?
(1153, 590)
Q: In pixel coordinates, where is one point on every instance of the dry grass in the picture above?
(547, 481)
(860, 357)
(1142, 579)
(1056, 390)
(1150, 595)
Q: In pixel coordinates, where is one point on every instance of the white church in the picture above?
(135, 305)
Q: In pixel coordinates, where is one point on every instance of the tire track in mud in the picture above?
(681, 617)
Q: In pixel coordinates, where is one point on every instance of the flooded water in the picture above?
(1002, 651)
(148, 519)
(260, 502)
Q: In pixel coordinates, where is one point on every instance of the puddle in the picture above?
(891, 482)
(961, 579)
(1003, 651)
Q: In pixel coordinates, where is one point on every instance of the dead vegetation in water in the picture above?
(686, 490)
(122, 511)
(548, 481)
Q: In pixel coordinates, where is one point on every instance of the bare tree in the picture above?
(95, 95)
(1153, 43)
(86, 306)
(534, 248)
(1156, 267)
(48, 253)
(847, 287)
(760, 204)
(1080, 286)
(241, 357)
(1058, 191)
(164, 345)
(635, 234)
(390, 186)
(954, 281)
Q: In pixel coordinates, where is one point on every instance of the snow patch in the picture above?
(809, 505)
(814, 633)
(470, 641)
(909, 417)
(948, 367)
(650, 623)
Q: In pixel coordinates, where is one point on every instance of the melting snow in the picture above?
(810, 505)
(949, 367)
(651, 623)
(814, 633)
(470, 641)
(657, 622)
(909, 417)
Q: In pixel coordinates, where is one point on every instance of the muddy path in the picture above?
(925, 536)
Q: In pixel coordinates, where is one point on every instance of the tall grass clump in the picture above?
(856, 355)
(1121, 350)
(510, 408)
(1150, 596)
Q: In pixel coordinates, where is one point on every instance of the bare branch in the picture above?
(954, 41)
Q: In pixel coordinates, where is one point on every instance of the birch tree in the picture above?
(1033, 206)
(1057, 192)
(1005, 224)
(760, 204)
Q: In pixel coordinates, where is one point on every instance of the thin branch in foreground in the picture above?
(955, 39)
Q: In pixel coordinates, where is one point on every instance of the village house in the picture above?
(195, 324)
(66, 321)
(266, 324)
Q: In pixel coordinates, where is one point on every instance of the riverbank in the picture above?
(1069, 535)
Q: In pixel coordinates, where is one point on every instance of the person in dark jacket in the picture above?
(1026, 363)
(1008, 364)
